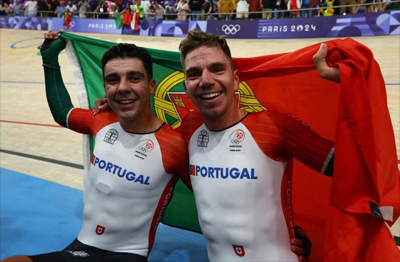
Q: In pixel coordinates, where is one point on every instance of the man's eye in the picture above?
(218, 69)
(193, 74)
(135, 79)
(112, 80)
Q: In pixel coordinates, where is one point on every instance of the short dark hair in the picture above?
(124, 50)
(196, 38)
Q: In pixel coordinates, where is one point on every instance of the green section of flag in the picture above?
(181, 212)
(118, 20)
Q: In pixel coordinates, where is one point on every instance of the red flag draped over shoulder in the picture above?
(354, 114)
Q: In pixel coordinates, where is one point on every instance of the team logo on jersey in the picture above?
(236, 137)
(202, 139)
(145, 146)
(100, 230)
(111, 136)
(239, 250)
(78, 253)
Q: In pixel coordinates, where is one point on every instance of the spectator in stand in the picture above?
(344, 9)
(183, 10)
(4, 8)
(151, 13)
(255, 9)
(101, 9)
(243, 9)
(361, 8)
(83, 7)
(72, 8)
(267, 7)
(170, 11)
(138, 8)
(307, 4)
(234, 6)
(195, 8)
(225, 10)
(92, 8)
(209, 9)
(15, 9)
(294, 5)
(279, 10)
(123, 4)
(42, 8)
(109, 3)
(381, 7)
(52, 6)
(114, 10)
(146, 5)
(159, 11)
(30, 8)
(60, 10)
(127, 15)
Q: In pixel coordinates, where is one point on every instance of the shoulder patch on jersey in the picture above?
(203, 138)
(111, 136)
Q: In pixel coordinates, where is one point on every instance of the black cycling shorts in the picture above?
(79, 252)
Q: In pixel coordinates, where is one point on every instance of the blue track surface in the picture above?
(38, 216)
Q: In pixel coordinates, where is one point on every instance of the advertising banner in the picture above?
(332, 26)
(26, 22)
(370, 24)
(85, 25)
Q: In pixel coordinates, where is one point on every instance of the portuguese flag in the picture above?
(347, 216)
(67, 18)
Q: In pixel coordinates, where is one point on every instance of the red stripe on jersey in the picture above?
(165, 198)
(83, 121)
(174, 153)
(282, 137)
(286, 198)
(190, 124)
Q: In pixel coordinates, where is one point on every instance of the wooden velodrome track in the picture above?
(32, 143)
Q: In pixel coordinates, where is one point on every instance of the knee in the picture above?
(17, 259)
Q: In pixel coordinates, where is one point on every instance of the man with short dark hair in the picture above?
(137, 159)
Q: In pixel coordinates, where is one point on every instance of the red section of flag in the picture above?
(93, 158)
(67, 18)
(355, 115)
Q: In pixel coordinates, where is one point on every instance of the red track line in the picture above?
(26, 123)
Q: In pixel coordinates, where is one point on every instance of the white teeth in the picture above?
(125, 101)
(212, 95)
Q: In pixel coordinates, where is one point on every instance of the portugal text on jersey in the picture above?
(223, 173)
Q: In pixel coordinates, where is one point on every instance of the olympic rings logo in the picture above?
(231, 29)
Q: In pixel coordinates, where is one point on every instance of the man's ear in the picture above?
(236, 80)
(152, 86)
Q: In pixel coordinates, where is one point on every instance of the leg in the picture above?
(17, 259)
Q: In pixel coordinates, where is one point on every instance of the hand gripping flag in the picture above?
(346, 216)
